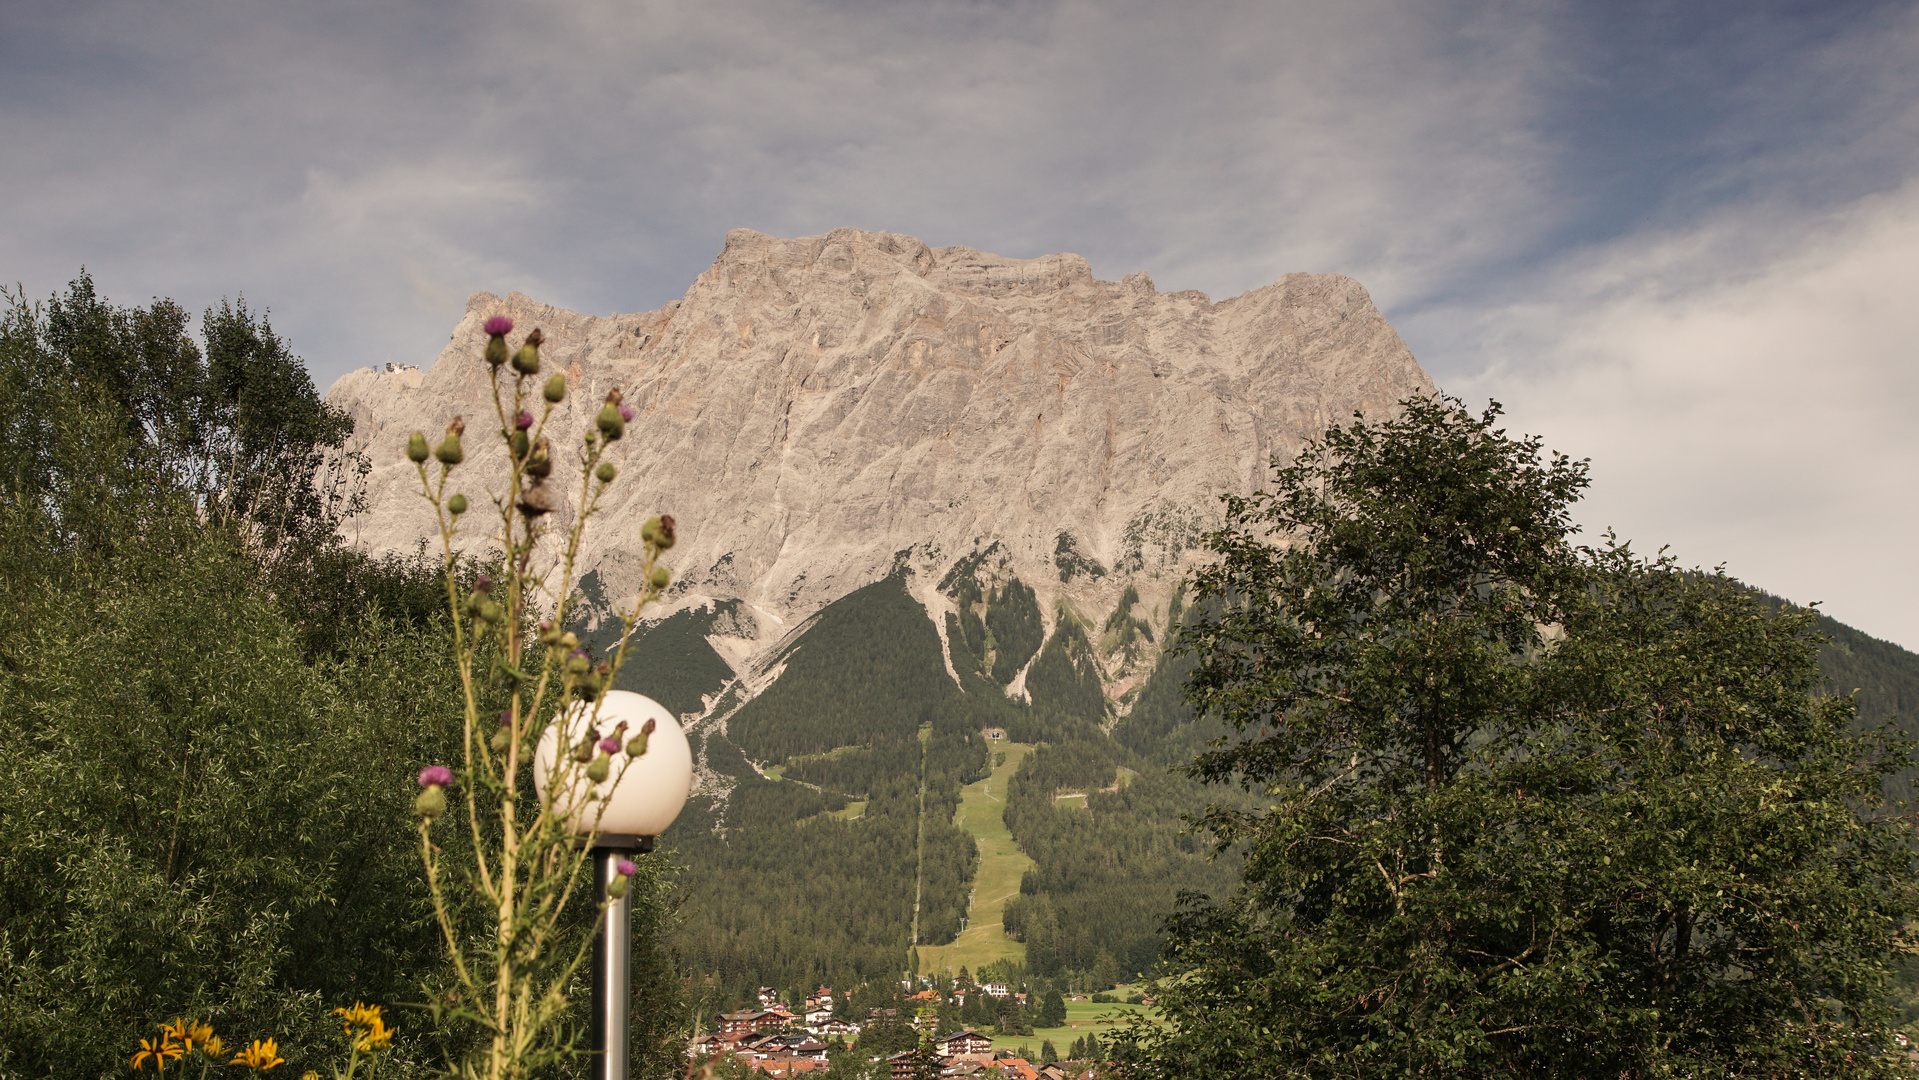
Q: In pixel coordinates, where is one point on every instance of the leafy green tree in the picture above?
(1533, 810)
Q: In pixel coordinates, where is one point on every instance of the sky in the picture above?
(1679, 239)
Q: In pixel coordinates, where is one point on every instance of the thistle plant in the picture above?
(528, 863)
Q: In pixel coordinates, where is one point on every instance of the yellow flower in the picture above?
(309, 1075)
(213, 1046)
(377, 1036)
(264, 1054)
(198, 1033)
(159, 1050)
(364, 1024)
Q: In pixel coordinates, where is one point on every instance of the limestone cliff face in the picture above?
(815, 411)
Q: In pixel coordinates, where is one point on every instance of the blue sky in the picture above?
(1679, 238)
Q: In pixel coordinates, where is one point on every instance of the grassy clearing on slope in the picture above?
(1082, 1018)
(1000, 866)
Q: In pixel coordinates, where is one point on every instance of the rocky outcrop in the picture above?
(816, 410)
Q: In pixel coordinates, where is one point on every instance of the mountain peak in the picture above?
(820, 411)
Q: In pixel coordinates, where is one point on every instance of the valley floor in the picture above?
(1001, 865)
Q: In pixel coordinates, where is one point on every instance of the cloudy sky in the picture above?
(1679, 238)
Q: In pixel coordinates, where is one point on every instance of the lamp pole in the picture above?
(646, 784)
(607, 1030)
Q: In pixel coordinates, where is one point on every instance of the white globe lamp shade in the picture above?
(640, 796)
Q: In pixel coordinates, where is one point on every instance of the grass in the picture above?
(851, 812)
(1001, 864)
(1081, 1017)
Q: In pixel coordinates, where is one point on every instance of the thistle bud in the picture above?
(483, 584)
(502, 738)
(536, 500)
(491, 611)
(555, 391)
(637, 746)
(570, 641)
(596, 770)
(666, 531)
(606, 472)
(431, 803)
(660, 576)
(541, 463)
(519, 443)
(549, 634)
(650, 530)
(616, 888)
(449, 451)
(527, 360)
(610, 422)
(497, 328)
(456, 505)
(577, 663)
(583, 753)
(416, 450)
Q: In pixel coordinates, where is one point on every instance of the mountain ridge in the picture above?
(819, 412)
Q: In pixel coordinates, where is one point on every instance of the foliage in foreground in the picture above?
(210, 712)
(1534, 810)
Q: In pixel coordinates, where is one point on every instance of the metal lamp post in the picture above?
(635, 803)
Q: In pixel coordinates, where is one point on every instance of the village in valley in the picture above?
(792, 1038)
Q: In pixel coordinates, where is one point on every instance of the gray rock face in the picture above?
(815, 411)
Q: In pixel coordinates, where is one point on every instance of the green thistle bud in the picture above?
(636, 745)
(450, 451)
(456, 505)
(431, 802)
(549, 634)
(491, 611)
(583, 753)
(496, 350)
(527, 360)
(596, 769)
(606, 472)
(502, 739)
(616, 888)
(520, 443)
(569, 641)
(541, 463)
(649, 530)
(556, 389)
(610, 422)
(416, 450)
(660, 576)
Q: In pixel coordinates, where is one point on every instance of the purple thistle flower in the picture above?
(577, 652)
(626, 413)
(609, 745)
(625, 867)
(436, 776)
(506, 717)
(524, 420)
(499, 325)
(483, 584)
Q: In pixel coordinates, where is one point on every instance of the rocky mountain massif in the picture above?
(817, 412)
(933, 504)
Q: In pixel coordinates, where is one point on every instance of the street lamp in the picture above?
(638, 799)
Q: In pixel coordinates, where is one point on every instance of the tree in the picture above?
(1531, 809)
(1052, 1010)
